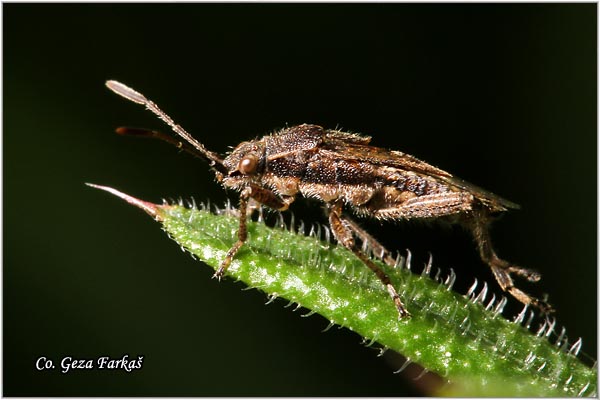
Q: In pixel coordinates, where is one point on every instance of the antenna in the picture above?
(199, 150)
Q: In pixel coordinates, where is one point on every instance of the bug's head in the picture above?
(244, 164)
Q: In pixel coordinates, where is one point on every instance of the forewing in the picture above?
(402, 161)
(378, 156)
(488, 198)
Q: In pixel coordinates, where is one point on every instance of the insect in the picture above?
(345, 172)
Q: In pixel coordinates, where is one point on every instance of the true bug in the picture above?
(344, 171)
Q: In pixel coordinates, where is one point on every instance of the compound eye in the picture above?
(248, 164)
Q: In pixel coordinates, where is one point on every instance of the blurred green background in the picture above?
(501, 95)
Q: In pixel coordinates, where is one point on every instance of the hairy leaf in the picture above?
(464, 339)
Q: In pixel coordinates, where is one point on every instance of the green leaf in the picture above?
(475, 349)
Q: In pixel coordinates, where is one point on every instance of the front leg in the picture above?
(242, 234)
(343, 234)
(262, 196)
(269, 198)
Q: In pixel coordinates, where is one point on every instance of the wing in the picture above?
(490, 199)
(360, 151)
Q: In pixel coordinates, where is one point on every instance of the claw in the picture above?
(219, 274)
(544, 307)
(402, 312)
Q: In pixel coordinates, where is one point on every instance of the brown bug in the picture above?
(342, 170)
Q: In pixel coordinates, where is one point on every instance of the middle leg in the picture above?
(377, 248)
(343, 234)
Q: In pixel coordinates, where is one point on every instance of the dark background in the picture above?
(501, 95)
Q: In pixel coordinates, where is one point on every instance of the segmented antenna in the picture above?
(125, 91)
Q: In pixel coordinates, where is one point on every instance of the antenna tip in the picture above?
(139, 132)
(122, 130)
(126, 91)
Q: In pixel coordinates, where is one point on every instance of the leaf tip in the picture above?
(150, 208)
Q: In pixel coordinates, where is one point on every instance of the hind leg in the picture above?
(479, 225)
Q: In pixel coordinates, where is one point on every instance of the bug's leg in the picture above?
(242, 234)
(343, 234)
(427, 206)
(251, 207)
(261, 196)
(269, 198)
(377, 248)
(256, 194)
(502, 269)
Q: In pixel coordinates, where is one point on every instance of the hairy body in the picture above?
(344, 171)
